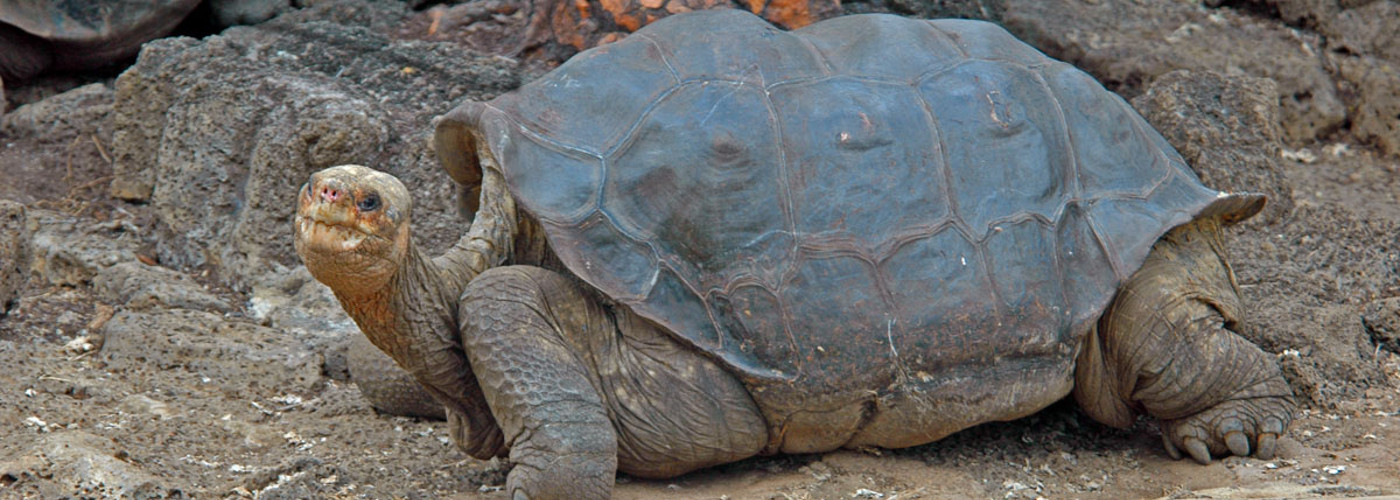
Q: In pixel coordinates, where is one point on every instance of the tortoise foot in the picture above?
(1235, 427)
(568, 477)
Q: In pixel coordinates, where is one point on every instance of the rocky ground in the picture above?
(162, 341)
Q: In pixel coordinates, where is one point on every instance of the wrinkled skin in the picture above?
(534, 365)
(1166, 348)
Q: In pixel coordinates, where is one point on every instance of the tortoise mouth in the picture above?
(330, 235)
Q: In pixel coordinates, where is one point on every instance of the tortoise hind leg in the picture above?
(1166, 347)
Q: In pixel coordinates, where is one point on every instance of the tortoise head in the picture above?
(352, 228)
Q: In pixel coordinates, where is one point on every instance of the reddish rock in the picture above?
(525, 27)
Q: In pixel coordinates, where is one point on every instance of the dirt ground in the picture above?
(84, 414)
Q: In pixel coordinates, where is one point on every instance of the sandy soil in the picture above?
(77, 422)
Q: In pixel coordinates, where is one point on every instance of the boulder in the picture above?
(1127, 43)
(1227, 129)
(136, 285)
(1376, 85)
(55, 145)
(71, 250)
(1352, 26)
(1363, 47)
(14, 254)
(73, 463)
(1382, 319)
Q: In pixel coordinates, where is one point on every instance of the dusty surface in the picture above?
(149, 354)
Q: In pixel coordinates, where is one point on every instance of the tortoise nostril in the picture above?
(329, 194)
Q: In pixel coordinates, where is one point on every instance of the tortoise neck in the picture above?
(421, 295)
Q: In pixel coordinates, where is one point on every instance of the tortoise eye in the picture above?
(369, 203)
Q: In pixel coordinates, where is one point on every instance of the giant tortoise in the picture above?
(717, 239)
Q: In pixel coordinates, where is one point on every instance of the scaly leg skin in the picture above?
(582, 390)
(1166, 347)
(561, 441)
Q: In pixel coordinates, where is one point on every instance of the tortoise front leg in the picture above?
(1166, 347)
(561, 441)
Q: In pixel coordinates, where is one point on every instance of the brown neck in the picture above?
(419, 299)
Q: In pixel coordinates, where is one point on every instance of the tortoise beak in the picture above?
(326, 218)
(328, 201)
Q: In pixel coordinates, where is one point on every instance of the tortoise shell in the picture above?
(93, 32)
(828, 206)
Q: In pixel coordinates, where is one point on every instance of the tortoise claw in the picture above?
(1198, 450)
(1172, 451)
(1238, 443)
(1236, 427)
(1267, 444)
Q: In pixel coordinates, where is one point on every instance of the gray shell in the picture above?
(833, 206)
(72, 34)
